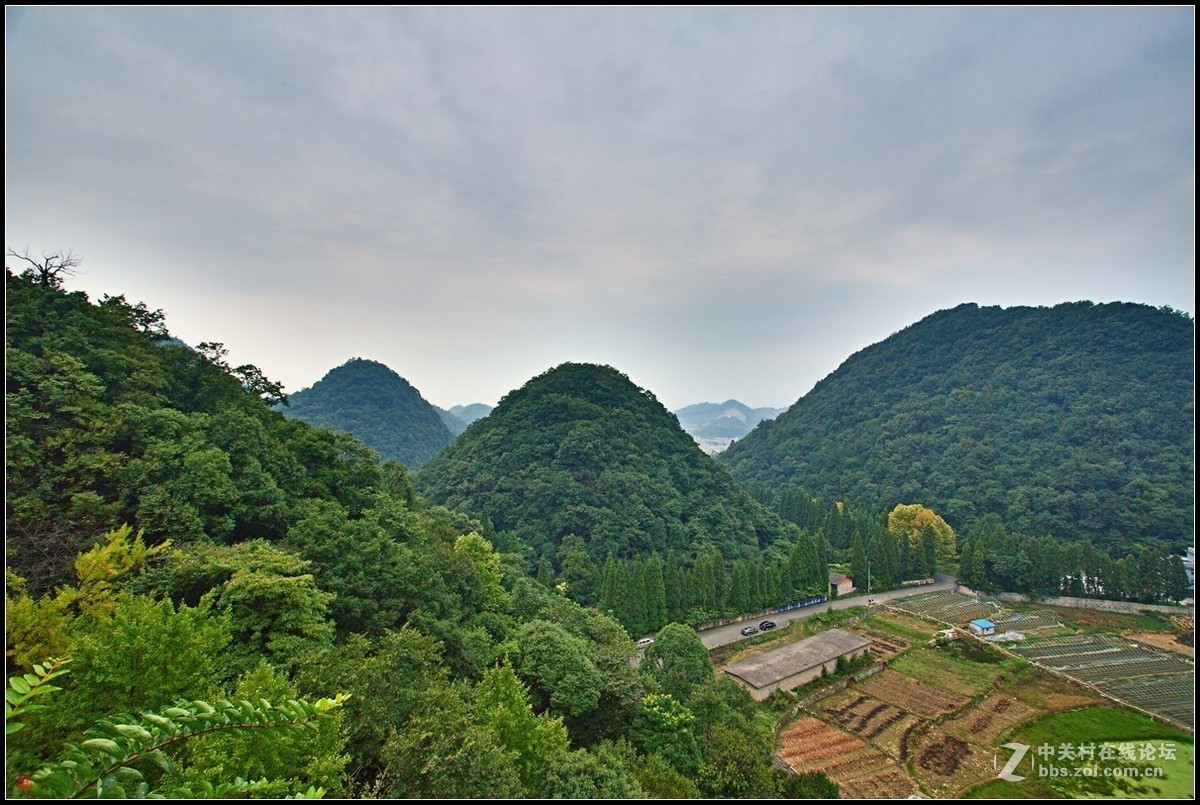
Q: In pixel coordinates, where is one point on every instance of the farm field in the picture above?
(860, 770)
(947, 606)
(937, 716)
(1155, 681)
(962, 667)
(912, 695)
(990, 718)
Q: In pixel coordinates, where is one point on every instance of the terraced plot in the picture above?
(944, 763)
(984, 723)
(909, 694)
(860, 770)
(883, 646)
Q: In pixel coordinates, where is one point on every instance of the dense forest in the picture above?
(608, 496)
(1074, 422)
(378, 407)
(204, 597)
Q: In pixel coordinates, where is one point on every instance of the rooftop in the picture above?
(781, 663)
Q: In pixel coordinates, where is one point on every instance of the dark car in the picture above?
(749, 630)
(767, 625)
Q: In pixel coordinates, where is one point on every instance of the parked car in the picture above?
(645, 641)
(767, 625)
(749, 630)
(870, 602)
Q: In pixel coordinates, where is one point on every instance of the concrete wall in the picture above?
(1098, 604)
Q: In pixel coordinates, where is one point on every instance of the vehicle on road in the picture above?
(749, 630)
(766, 625)
(870, 602)
(645, 641)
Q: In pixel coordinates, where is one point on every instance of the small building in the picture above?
(841, 583)
(982, 627)
(797, 663)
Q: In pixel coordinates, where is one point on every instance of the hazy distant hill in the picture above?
(715, 425)
(459, 417)
(378, 406)
(580, 450)
(1075, 421)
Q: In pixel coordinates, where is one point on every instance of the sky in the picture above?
(719, 202)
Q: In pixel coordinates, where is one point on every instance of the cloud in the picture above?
(701, 192)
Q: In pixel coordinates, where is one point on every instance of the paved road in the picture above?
(732, 632)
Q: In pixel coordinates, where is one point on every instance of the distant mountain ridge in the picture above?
(459, 417)
(1076, 421)
(375, 404)
(715, 426)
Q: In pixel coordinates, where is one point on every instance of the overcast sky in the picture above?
(718, 202)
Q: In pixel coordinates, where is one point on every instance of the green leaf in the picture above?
(18, 684)
(15, 726)
(133, 731)
(161, 760)
(103, 744)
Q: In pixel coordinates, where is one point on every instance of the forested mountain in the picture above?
(580, 450)
(379, 407)
(274, 574)
(715, 425)
(589, 470)
(1075, 421)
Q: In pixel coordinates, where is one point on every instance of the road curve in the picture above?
(732, 632)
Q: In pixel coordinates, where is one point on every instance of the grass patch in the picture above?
(1099, 724)
(1091, 620)
(1157, 777)
(911, 630)
(963, 667)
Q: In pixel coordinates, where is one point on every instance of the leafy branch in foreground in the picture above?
(22, 689)
(103, 764)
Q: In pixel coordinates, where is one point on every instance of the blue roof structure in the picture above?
(983, 623)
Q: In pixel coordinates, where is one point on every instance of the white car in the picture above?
(645, 641)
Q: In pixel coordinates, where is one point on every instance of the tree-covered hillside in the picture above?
(378, 407)
(581, 459)
(208, 576)
(1075, 421)
(580, 450)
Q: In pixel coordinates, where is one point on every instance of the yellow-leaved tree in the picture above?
(922, 527)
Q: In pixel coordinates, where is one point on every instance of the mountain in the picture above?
(472, 412)
(715, 426)
(376, 405)
(580, 451)
(1075, 421)
(459, 417)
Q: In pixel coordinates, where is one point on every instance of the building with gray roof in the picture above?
(797, 663)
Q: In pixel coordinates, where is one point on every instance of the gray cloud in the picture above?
(720, 202)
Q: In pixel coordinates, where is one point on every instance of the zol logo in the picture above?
(1018, 755)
